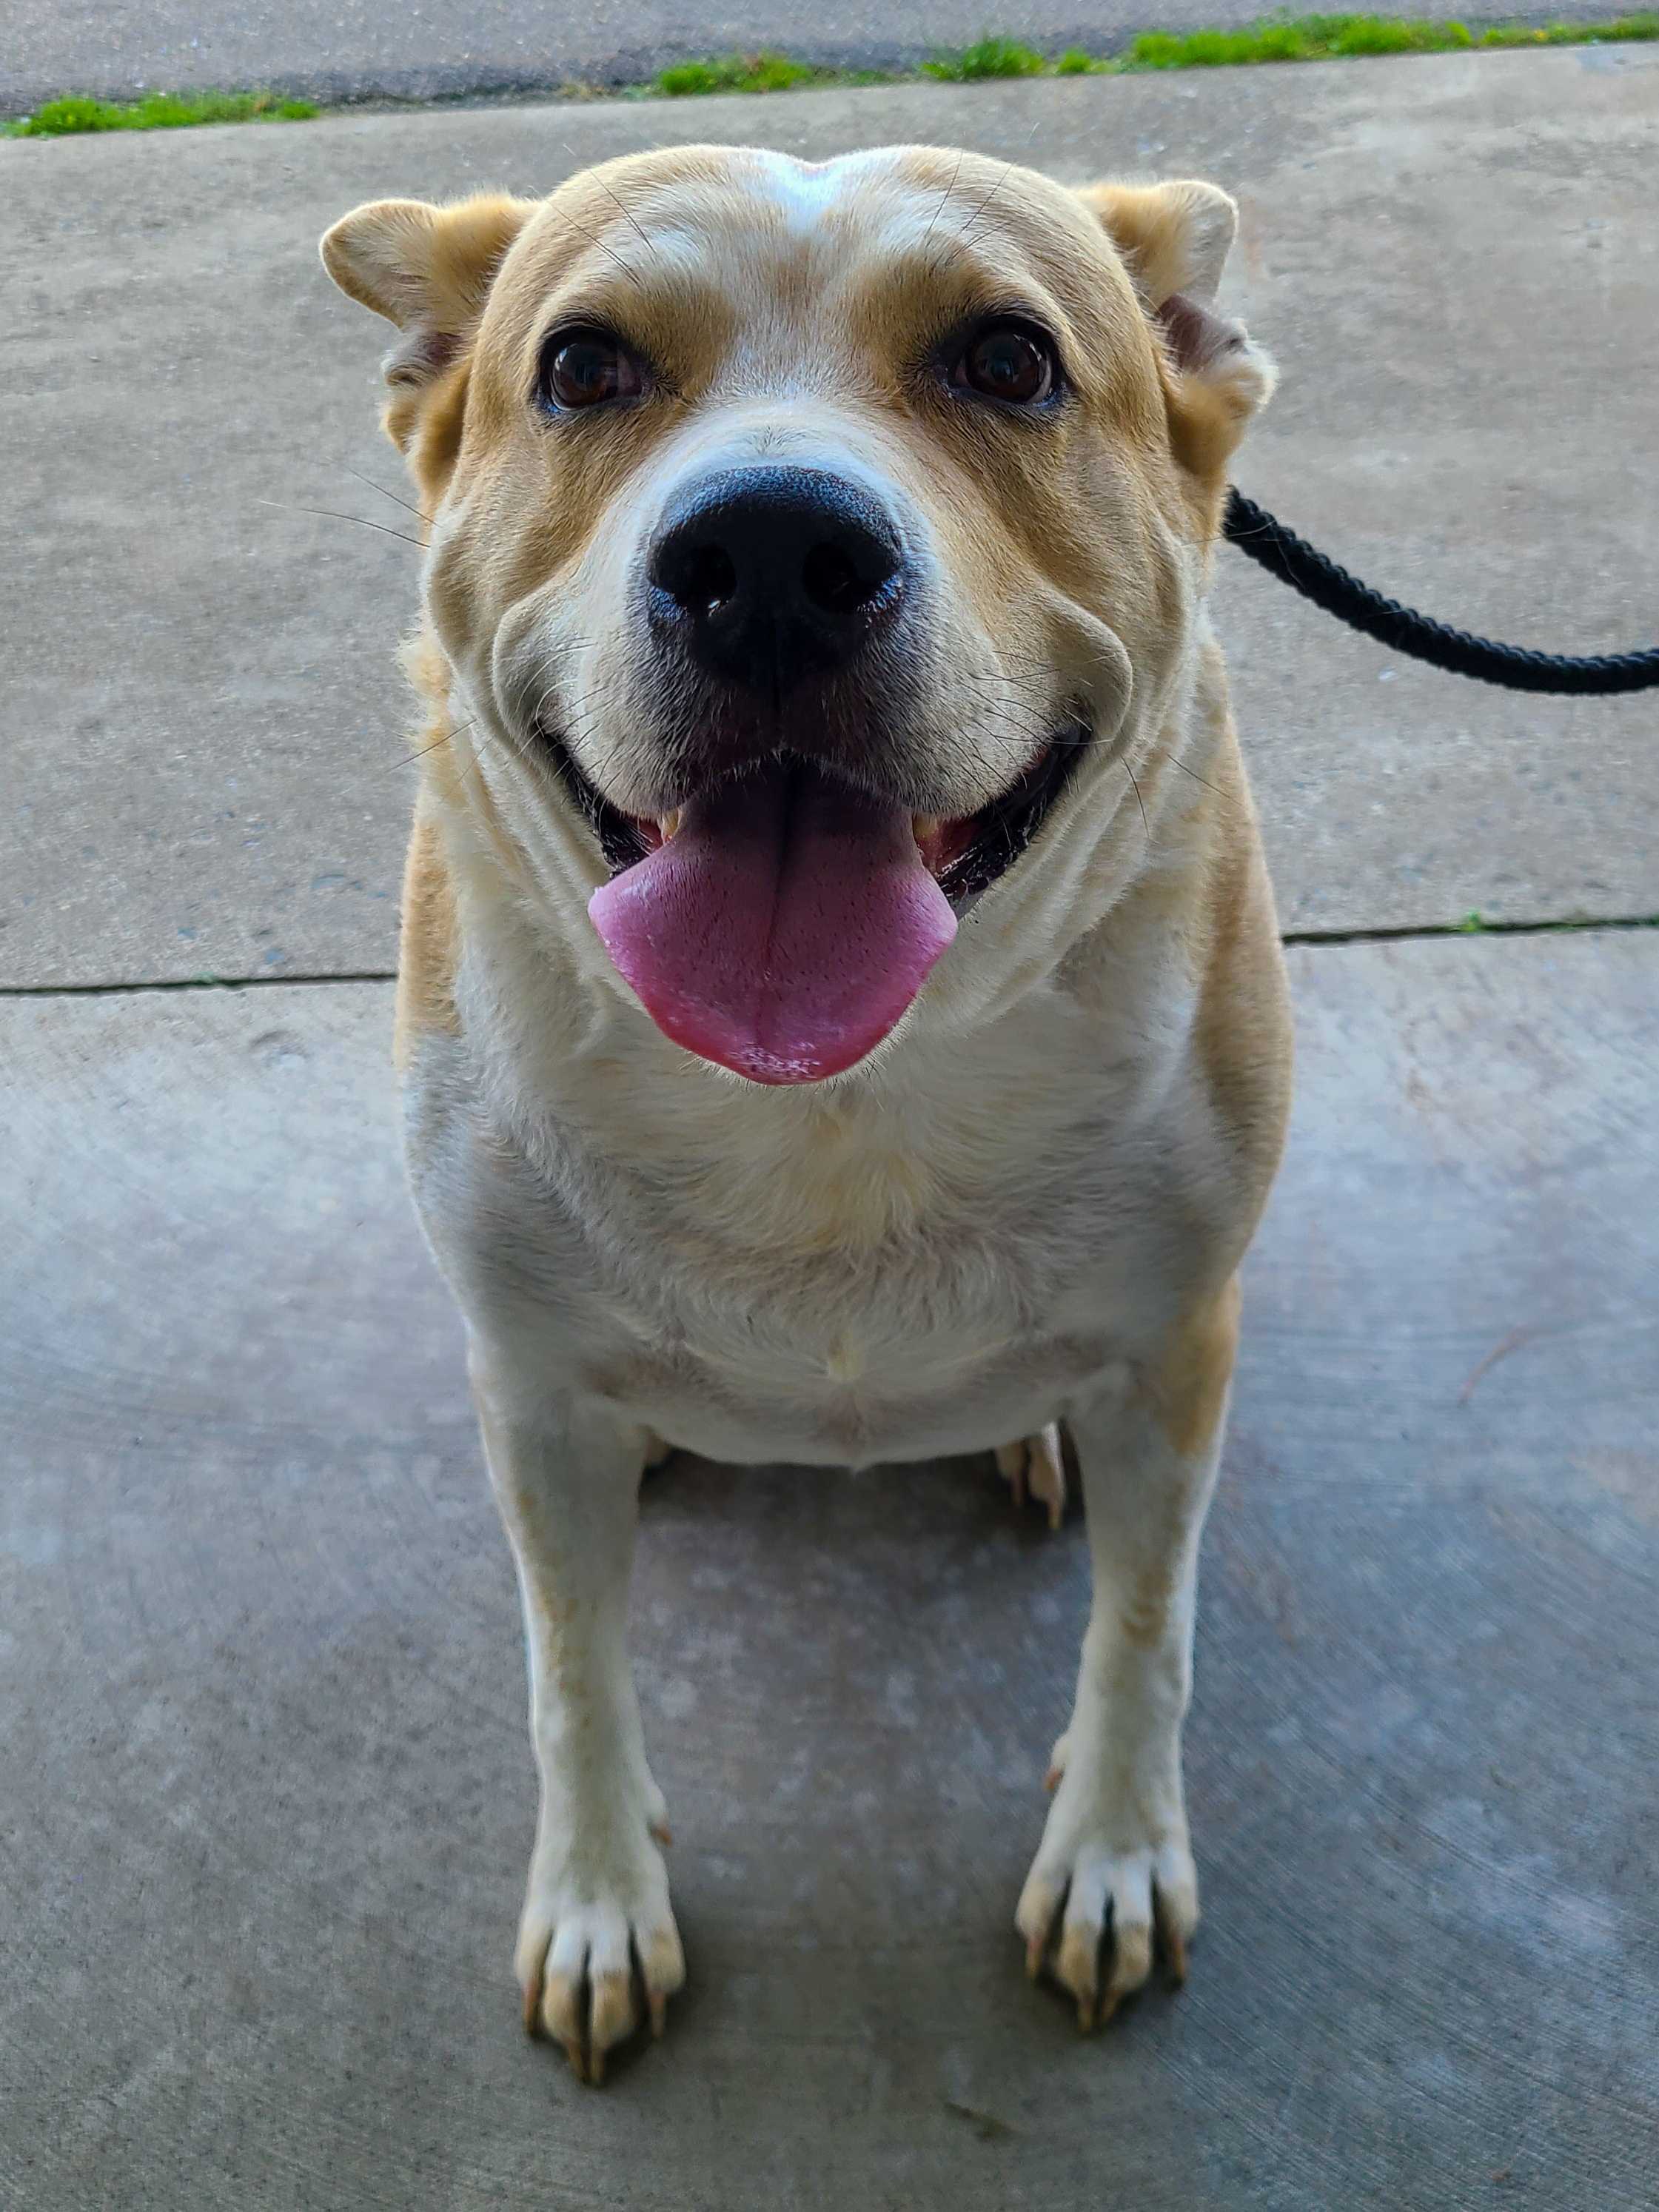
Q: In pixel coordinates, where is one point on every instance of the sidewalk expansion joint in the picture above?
(190, 983)
(1394, 933)
(1406, 932)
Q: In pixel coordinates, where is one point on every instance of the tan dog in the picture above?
(818, 559)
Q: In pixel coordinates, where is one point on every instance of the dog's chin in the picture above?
(965, 853)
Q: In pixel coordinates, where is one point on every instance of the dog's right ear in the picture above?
(1175, 239)
(429, 269)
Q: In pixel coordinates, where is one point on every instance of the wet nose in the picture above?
(770, 574)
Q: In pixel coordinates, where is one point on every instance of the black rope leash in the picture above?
(1317, 577)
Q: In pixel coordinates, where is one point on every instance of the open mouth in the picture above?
(965, 855)
(781, 922)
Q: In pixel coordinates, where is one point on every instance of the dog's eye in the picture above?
(584, 369)
(1010, 362)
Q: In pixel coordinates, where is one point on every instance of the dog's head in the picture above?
(815, 542)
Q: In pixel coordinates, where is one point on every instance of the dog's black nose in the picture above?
(772, 575)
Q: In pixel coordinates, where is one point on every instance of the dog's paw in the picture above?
(1107, 1886)
(598, 1952)
(1035, 1466)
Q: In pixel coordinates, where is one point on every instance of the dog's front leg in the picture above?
(566, 1474)
(1115, 1850)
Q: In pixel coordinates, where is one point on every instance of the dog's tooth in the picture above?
(669, 822)
(923, 827)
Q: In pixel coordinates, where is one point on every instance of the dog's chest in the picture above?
(892, 1350)
(828, 1290)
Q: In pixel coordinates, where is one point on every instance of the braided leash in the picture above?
(1317, 577)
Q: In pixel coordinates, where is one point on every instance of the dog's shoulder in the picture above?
(429, 945)
(1242, 1018)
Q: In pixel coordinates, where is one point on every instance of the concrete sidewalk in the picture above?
(267, 1793)
(266, 1796)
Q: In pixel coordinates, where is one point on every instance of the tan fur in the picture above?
(1187, 1389)
(431, 274)
(1174, 237)
(1030, 1204)
(429, 932)
(427, 950)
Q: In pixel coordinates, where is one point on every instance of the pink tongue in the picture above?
(782, 930)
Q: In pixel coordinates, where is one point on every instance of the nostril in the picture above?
(832, 580)
(711, 579)
(701, 579)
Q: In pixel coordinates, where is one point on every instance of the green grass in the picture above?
(1275, 38)
(157, 111)
(1298, 39)
(752, 73)
(1476, 924)
(1619, 31)
(1326, 38)
(985, 58)
(1335, 38)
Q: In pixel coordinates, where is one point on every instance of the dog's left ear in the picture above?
(1175, 240)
